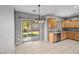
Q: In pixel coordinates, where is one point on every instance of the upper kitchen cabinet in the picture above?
(70, 23)
(75, 24)
(66, 23)
(51, 23)
(63, 23)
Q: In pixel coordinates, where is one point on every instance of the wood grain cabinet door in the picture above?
(74, 24)
(76, 37)
(68, 35)
(70, 23)
(67, 24)
(52, 23)
(63, 35)
(51, 37)
(77, 24)
(63, 24)
(71, 35)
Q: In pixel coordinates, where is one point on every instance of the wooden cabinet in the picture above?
(76, 36)
(63, 35)
(51, 22)
(70, 23)
(75, 23)
(67, 35)
(62, 23)
(51, 37)
(66, 23)
(70, 35)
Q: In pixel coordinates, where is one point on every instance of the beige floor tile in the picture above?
(41, 47)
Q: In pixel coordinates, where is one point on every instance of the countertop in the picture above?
(70, 31)
(54, 32)
(62, 31)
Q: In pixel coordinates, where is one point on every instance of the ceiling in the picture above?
(57, 10)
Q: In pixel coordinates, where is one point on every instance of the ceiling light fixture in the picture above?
(39, 19)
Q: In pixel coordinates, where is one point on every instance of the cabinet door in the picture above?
(76, 37)
(70, 24)
(63, 35)
(71, 35)
(62, 23)
(77, 24)
(52, 23)
(67, 24)
(73, 24)
(51, 37)
(67, 35)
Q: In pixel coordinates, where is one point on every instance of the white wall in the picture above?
(18, 30)
(7, 29)
(45, 31)
(42, 31)
(74, 18)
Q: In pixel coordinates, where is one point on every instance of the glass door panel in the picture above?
(26, 30)
(30, 30)
(35, 30)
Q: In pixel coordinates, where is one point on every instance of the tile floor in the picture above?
(41, 47)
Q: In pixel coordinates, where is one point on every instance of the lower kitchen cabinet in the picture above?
(52, 37)
(76, 36)
(63, 35)
(70, 35)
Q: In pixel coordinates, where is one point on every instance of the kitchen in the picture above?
(69, 30)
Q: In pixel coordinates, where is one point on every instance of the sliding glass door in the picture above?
(26, 30)
(35, 30)
(30, 30)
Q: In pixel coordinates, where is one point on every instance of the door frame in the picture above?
(31, 27)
